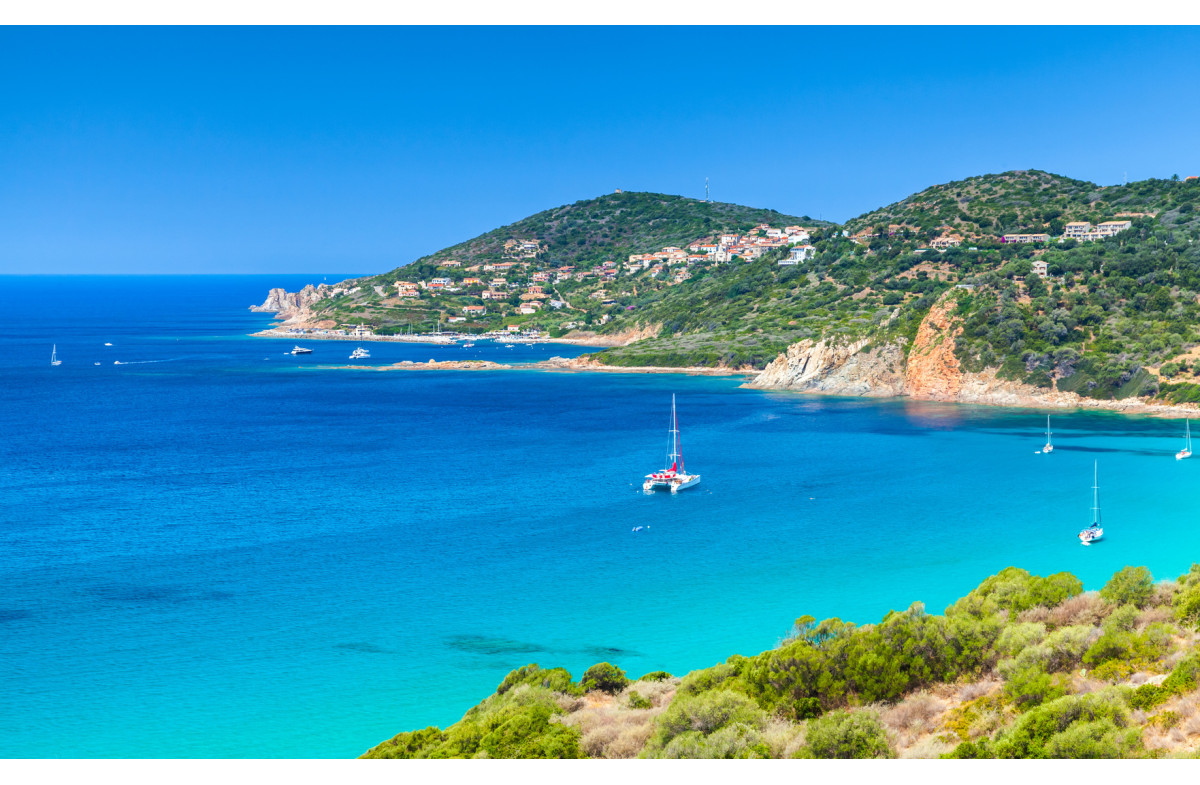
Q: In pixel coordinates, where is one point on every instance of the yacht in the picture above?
(301, 350)
(468, 345)
(1186, 452)
(54, 355)
(1049, 446)
(1094, 532)
(360, 354)
(676, 477)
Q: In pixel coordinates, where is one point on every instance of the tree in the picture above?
(1129, 586)
(604, 677)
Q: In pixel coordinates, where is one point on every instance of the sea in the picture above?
(212, 548)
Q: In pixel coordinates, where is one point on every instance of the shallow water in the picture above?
(223, 551)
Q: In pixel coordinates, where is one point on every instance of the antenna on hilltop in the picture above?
(706, 190)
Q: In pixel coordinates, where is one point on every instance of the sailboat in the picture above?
(1186, 452)
(675, 478)
(54, 355)
(1049, 447)
(1094, 532)
(360, 354)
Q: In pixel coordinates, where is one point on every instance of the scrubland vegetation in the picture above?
(1024, 666)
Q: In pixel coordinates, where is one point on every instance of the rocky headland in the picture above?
(928, 371)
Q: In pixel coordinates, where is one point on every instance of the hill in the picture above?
(612, 227)
(1051, 306)
(1021, 667)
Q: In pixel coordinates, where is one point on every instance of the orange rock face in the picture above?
(933, 372)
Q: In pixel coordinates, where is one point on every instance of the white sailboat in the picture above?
(360, 354)
(1094, 532)
(675, 477)
(54, 355)
(1049, 446)
(1186, 452)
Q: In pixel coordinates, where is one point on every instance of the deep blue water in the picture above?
(214, 550)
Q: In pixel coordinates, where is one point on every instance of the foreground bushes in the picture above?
(806, 697)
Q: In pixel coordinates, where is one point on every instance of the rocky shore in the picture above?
(929, 371)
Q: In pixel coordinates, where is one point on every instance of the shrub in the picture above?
(1039, 733)
(1129, 586)
(1031, 686)
(529, 733)
(1016, 590)
(605, 677)
(1016, 637)
(656, 676)
(845, 734)
(696, 716)
(636, 701)
(557, 679)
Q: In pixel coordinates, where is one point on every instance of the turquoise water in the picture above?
(223, 551)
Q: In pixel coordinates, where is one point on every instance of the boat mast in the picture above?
(678, 441)
(1047, 429)
(673, 436)
(1095, 494)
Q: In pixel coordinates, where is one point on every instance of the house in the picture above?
(541, 277)
(407, 293)
(472, 282)
(798, 255)
(556, 304)
(513, 328)
(1025, 238)
(362, 332)
(535, 289)
(947, 241)
(454, 319)
(474, 310)
(489, 294)
(449, 263)
(527, 309)
(1039, 269)
(1109, 228)
(730, 239)
(1076, 230)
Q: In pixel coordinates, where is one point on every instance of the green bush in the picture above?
(845, 734)
(693, 718)
(1129, 586)
(1016, 590)
(637, 701)
(656, 676)
(557, 679)
(605, 677)
(1046, 731)
(1031, 686)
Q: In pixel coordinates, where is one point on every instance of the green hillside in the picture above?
(1021, 667)
(579, 236)
(1108, 317)
(614, 226)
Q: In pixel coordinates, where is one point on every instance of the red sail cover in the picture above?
(673, 467)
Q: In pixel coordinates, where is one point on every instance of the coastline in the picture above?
(596, 341)
(555, 364)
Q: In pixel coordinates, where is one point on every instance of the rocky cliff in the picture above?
(837, 369)
(932, 371)
(287, 303)
(929, 370)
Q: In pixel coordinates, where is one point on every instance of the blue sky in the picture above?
(314, 149)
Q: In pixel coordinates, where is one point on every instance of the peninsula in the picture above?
(1022, 288)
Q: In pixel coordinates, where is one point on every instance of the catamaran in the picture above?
(1186, 452)
(676, 477)
(360, 354)
(1049, 447)
(1094, 532)
(54, 355)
